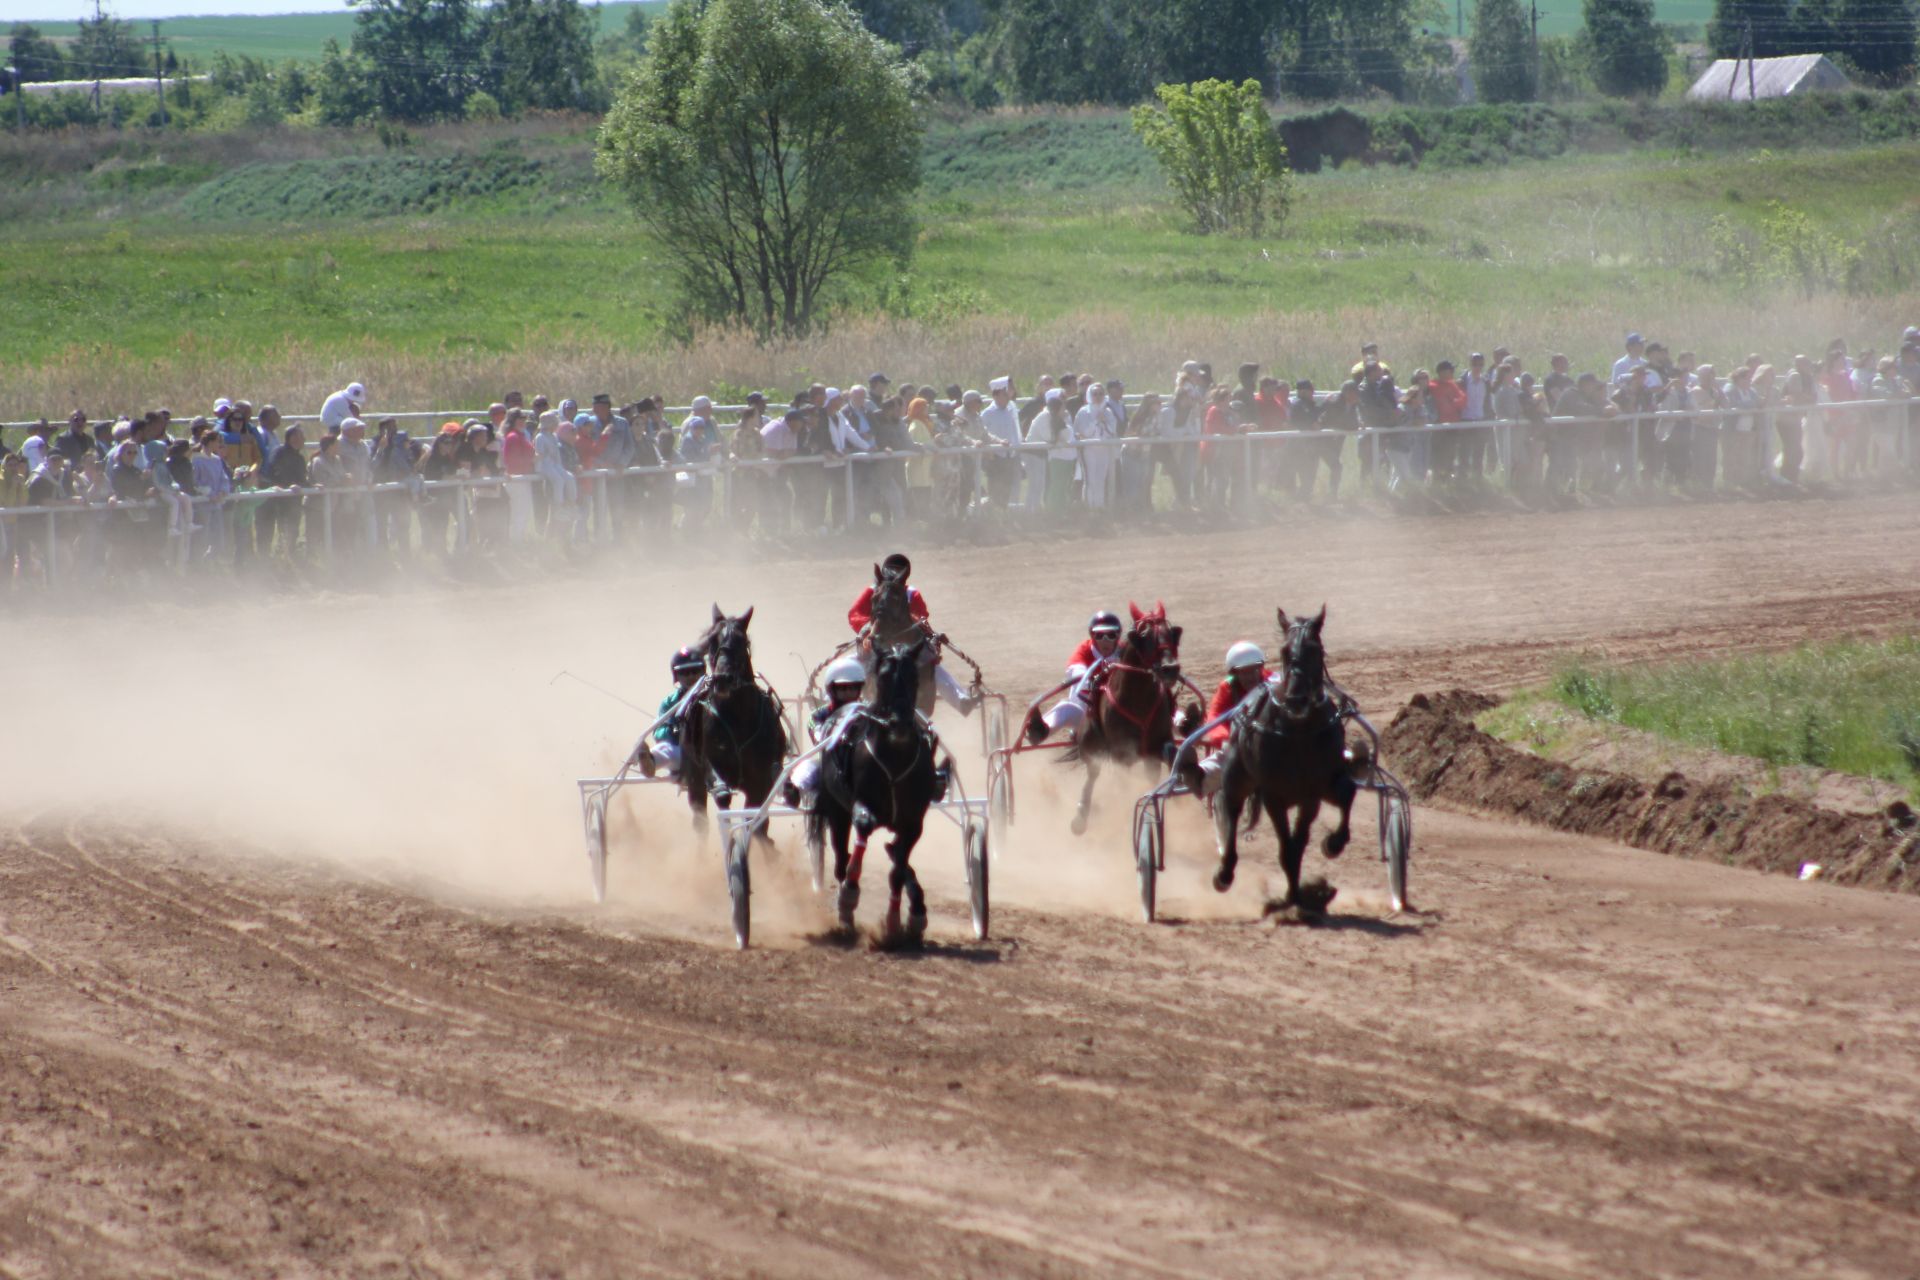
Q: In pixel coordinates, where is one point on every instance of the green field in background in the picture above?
(277, 37)
(300, 35)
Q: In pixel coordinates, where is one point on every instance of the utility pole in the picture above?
(159, 84)
(1459, 18)
(19, 99)
(94, 54)
(1535, 8)
(1749, 41)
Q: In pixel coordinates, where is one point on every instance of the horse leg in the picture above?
(1086, 795)
(693, 776)
(1343, 792)
(1226, 833)
(1293, 848)
(846, 868)
(899, 850)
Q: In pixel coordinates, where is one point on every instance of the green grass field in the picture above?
(277, 37)
(1852, 706)
(301, 35)
(183, 267)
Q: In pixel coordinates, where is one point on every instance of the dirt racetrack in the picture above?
(299, 975)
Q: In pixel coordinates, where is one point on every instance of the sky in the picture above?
(74, 10)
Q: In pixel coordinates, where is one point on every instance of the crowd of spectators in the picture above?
(136, 495)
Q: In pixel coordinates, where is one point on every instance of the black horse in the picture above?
(733, 730)
(1287, 747)
(881, 773)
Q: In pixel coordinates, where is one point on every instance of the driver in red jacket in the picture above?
(1246, 671)
(1102, 642)
(860, 617)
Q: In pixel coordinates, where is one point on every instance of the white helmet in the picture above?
(1245, 653)
(846, 670)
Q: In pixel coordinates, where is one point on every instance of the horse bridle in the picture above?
(1162, 684)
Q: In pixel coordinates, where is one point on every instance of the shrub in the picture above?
(1221, 153)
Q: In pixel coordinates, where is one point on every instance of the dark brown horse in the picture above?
(894, 626)
(1135, 714)
(1287, 749)
(734, 730)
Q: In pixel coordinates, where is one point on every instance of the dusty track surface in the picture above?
(244, 1052)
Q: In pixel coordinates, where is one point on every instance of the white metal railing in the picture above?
(1622, 439)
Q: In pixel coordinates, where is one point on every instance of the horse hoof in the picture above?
(848, 901)
(1079, 826)
(916, 925)
(1334, 845)
(1223, 879)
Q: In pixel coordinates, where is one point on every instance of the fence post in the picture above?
(53, 546)
(603, 503)
(846, 513)
(461, 516)
(184, 556)
(1633, 451)
(326, 522)
(1373, 453)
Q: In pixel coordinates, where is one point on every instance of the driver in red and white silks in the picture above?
(1094, 653)
(1246, 671)
(860, 617)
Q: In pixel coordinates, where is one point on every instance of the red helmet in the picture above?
(1106, 620)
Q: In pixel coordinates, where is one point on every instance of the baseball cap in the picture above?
(357, 392)
(1634, 340)
(878, 377)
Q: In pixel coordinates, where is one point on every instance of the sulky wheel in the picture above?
(738, 886)
(1396, 845)
(1146, 861)
(816, 851)
(597, 846)
(1000, 794)
(995, 725)
(974, 837)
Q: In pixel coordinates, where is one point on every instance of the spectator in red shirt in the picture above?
(1449, 405)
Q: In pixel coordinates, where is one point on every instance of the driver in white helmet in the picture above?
(845, 680)
(1094, 653)
(1246, 671)
(664, 750)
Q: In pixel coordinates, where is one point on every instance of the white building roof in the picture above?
(1771, 78)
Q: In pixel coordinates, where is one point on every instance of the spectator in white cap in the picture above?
(348, 402)
(699, 441)
(1053, 428)
(1002, 422)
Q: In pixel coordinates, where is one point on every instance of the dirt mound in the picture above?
(1436, 748)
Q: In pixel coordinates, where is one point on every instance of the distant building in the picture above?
(1744, 79)
(144, 85)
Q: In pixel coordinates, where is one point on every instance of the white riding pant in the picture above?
(1069, 713)
(667, 756)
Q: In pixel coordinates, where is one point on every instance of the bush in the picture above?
(1221, 152)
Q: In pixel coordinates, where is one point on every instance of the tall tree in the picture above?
(772, 146)
(1070, 51)
(1501, 51)
(539, 53)
(1877, 36)
(106, 48)
(1770, 21)
(421, 56)
(1627, 52)
(36, 57)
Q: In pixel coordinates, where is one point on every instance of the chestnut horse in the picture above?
(1135, 713)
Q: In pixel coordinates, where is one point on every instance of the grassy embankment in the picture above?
(1851, 706)
(281, 264)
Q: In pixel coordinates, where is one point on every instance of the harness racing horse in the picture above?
(1287, 749)
(1135, 714)
(880, 773)
(894, 625)
(733, 730)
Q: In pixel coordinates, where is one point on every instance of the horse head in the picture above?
(896, 686)
(728, 651)
(1154, 643)
(893, 620)
(1304, 678)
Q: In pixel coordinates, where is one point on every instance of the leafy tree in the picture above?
(1771, 22)
(37, 57)
(911, 24)
(772, 146)
(1627, 52)
(1335, 48)
(1877, 37)
(1220, 152)
(420, 56)
(1193, 40)
(343, 89)
(540, 54)
(1502, 52)
(1068, 51)
(107, 49)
